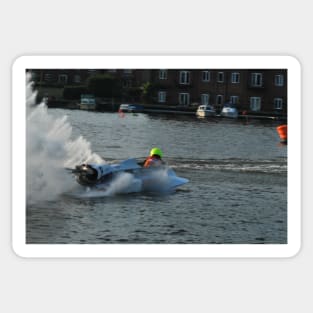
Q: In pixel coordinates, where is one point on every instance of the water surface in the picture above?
(237, 191)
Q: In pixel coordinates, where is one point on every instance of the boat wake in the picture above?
(124, 183)
(270, 166)
(275, 166)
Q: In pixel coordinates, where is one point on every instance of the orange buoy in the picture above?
(282, 132)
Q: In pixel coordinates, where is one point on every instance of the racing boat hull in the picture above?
(153, 179)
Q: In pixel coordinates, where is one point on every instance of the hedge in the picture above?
(74, 92)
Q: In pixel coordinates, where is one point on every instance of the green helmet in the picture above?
(156, 151)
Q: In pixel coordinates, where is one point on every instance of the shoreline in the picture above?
(156, 109)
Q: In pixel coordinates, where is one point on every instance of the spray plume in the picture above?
(50, 148)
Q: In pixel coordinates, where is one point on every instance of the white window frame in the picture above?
(162, 96)
(206, 76)
(222, 78)
(234, 99)
(219, 99)
(184, 98)
(279, 80)
(184, 77)
(255, 104)
(62, 78)
(162, 74)
(278, 103)
(205, 99)
(235, 77)
(256, 79)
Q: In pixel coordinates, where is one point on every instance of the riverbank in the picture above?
(161, 109)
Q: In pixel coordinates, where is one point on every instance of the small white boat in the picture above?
(130, 108)
(87, 102)
(205, 110)
(229, 111)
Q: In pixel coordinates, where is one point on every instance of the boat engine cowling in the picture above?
(90, 174)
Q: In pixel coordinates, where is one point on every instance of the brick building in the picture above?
(252, 90)
(256, 90)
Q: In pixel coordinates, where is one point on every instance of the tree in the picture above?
(148, 92)
(73, 92)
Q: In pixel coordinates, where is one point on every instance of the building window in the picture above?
(205, 99)
(127, 83)
(206, 76)
(62, 79)
(255, 103)
(234, 99)
(220, 77)
(112, 70)
(48, 77)
(279, 80)
(184, 77)
(219, 100)
(163, 74)
(256, 80)
(162, 96)
(235, 78)
(184, 98)
(77, 79)
(128, 71)
(278, 103)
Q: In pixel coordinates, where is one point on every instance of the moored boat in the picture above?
(87, 102)
(230, 111)
(130, 108)
(205, 110)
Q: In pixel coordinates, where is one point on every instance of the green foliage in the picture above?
(73, 92)
(149, 92)
(104, 85)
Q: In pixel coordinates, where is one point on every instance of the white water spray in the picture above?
(50, 149)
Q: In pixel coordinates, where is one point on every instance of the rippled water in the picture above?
(237, 191)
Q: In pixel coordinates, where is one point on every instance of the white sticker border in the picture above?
(291, 248)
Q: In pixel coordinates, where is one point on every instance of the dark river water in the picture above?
(237, 190)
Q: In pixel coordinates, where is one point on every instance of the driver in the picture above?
(155, 158)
